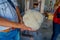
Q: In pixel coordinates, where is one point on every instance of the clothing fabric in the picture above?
(56, 31)
(56, 24)
(56, 18)
(8, 12)
(15, 2)
(12, 35)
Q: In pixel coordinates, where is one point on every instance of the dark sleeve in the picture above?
(58, 12)
(15, 2)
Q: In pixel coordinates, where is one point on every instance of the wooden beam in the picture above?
(42, 6)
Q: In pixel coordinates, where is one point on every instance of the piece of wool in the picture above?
(33, 19)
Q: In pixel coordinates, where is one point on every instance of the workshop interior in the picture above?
(37, 15)
(46, 9)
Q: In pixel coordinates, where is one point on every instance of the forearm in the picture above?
(7, 23)
(18, 13)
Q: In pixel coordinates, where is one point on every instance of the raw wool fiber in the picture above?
(33, 19)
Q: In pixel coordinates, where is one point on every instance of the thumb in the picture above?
(30, 29)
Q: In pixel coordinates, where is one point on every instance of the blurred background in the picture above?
(46, 7)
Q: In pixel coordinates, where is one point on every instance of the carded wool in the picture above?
(33, 19)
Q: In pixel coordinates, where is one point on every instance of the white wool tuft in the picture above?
(33, 19)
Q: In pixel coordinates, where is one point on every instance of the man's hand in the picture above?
(26, 28)
(23, 27)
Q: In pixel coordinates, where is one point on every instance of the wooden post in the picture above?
(31, 4)
(27, 4)
(42, 6)
(39, 4)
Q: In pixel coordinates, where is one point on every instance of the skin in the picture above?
(18, 13)
(20, 19)
(55, 7)
(59, 4)
(7, 23)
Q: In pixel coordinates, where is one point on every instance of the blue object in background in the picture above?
(56, 31)
(34, 34)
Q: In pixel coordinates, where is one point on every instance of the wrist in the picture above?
(16, 25)
(19, 25)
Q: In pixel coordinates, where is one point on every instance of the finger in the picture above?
(29, 29)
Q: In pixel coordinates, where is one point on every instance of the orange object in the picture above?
(7, 30)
